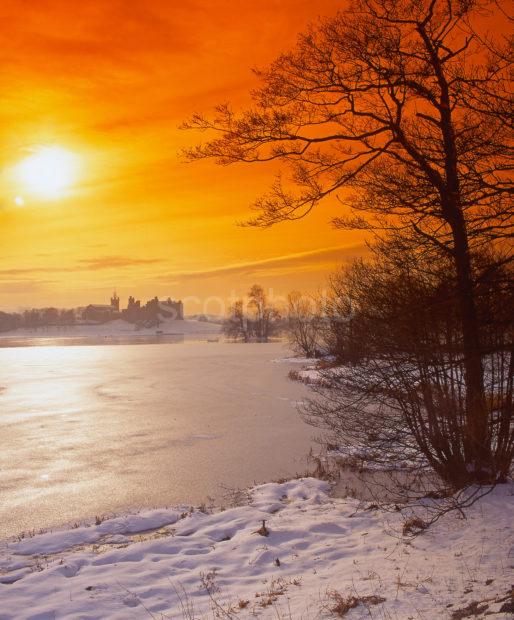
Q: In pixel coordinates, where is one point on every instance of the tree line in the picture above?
(37, 317)
(259, 320)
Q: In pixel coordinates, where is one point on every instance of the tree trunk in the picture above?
(477, 451)
(476, 446)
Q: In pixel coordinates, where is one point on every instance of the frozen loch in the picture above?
(92, 430)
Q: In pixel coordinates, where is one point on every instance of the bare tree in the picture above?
(258, 322)
(304, 324)
(236, 324)
(406, 106)
(265, 315)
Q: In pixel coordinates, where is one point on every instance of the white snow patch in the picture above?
(294, 360)
(315, 545)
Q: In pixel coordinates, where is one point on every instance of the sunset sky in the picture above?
(105, 85)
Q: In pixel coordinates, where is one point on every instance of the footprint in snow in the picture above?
(70, 570)
(201, 551)
(131, 600)
(328, 528)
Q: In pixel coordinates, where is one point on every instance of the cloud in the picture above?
(301, 261)
(114, 262)
(23, 286)
(297, 262)
(22, 271)
(85, 264)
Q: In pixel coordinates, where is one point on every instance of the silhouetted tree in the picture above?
(257, 323)
(304, 324)
(31, 318)
(236, 325)
(67, 317)
(265, 316)
(50, 316)
(9, 321)
(407, 107)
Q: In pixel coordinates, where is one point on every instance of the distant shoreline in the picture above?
(69, 341)
(111, 332)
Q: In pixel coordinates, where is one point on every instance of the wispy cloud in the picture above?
(85, 264)
(23, 286)
(114, 262)
(301, 261)
(28, 271)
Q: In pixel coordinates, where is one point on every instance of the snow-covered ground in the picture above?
(118, 327)
(318, 557)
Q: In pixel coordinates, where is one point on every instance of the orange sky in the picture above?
(111, 81)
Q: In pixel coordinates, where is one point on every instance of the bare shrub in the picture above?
(404, 399)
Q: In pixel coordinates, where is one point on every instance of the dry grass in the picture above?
(413, 526)
(341, 605)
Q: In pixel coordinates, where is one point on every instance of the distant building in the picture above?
(101, 313)
(172, 309)
(147, 316)
(115, 302)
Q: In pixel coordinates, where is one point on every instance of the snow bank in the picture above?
(314, 554)
(294, 360)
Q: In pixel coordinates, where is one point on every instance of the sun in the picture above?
(48, 172)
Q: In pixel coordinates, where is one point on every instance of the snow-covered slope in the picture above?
(317, 557)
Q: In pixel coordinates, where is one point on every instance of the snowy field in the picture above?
(92, 430)
(317, 557)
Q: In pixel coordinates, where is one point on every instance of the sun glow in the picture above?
(49, 172)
